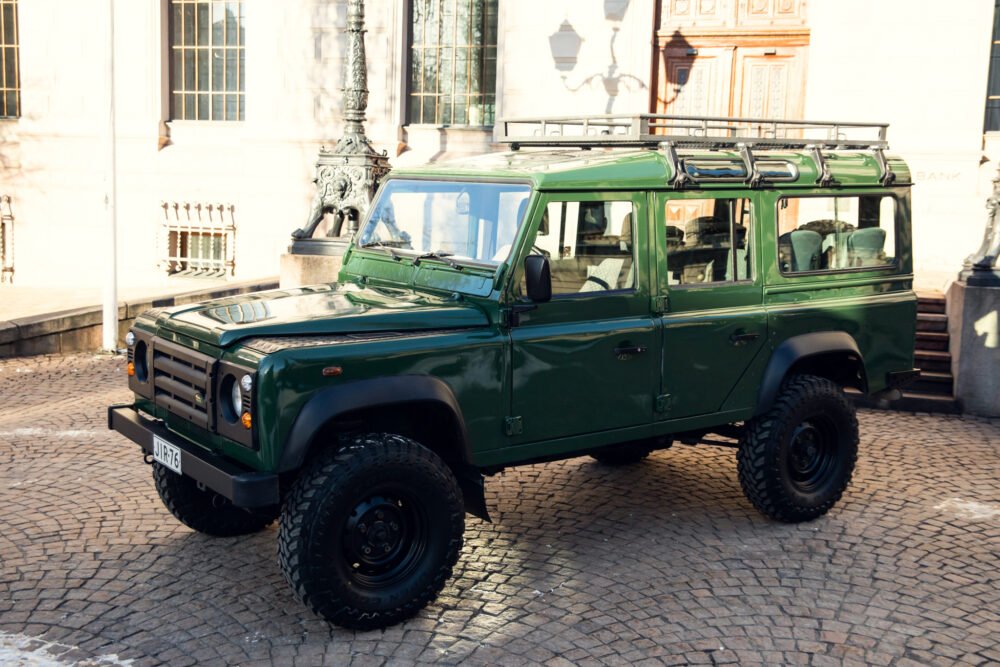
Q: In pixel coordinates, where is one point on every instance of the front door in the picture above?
(587, 360)
(713, 325)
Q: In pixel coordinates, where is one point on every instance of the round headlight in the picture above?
(130, 339)
(246, 382)
(236, 398)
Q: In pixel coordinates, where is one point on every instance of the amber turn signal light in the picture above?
(247, 420)
(131, 369)
(332, 371)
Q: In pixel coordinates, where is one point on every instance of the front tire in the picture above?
(796, 460)
(370, 532)
(203, 509)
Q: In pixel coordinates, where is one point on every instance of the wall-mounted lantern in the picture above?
(614, 10)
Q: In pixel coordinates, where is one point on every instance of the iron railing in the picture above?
(6, 240)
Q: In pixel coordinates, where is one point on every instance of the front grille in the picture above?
(182, 382)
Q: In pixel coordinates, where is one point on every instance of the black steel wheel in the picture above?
(370, 532)
(205, 510)
(796, 460)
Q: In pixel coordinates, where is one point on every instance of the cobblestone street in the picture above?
(664, 562)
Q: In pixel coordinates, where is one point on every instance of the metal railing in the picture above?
(198, 239)
(6, 240)
(707, 132)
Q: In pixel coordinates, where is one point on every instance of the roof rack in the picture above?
(690, 132)
(669, 133)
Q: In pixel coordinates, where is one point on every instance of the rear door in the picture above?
(714, 325)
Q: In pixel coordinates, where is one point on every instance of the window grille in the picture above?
(453, 62)
(198, 240)
(6, 240)
(207, 60)
(10, 75)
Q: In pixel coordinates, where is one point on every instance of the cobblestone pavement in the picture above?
(661, 562)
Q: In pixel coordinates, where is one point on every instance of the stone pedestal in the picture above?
(974, 330)
(299, 270)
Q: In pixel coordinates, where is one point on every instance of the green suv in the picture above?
(608, 286)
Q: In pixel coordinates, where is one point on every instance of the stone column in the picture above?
(973, 303)
(346, 177)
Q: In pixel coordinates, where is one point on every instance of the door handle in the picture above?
(742, 337)
(625, 351)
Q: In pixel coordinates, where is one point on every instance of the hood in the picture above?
(319, 310)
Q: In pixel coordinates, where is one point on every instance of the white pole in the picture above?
(110, 316)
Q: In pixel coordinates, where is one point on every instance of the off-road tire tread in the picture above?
(301, 506)
(757, 480)
(193, 507)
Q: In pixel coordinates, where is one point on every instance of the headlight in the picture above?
(246, 382)
(130, 339)
(236, 398)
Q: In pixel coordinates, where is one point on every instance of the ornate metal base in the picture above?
(329, 247)
(980, 278)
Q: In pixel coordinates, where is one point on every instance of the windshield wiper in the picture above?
(385, 246)
(439, 255)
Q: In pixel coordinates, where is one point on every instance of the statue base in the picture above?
(298, 270)
(974, 331)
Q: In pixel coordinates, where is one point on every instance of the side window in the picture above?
(835, 233)
(589, 245)
(708, 240)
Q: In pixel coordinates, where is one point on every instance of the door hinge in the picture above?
(662, 404)
(513, 426)
(661, 304)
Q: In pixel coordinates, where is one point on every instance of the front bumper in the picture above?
(242, 486)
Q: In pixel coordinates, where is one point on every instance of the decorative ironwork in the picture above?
(980, 268)
(348, 175)
(198, 240)
(6, 240)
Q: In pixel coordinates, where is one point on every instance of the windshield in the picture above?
(474, 222)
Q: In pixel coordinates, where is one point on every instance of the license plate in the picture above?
(167, 454)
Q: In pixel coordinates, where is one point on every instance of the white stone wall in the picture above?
(907, 62)
(920, 65)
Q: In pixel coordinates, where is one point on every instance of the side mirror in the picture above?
(538, 278)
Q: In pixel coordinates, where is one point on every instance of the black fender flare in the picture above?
(797, 348)
(341, 399)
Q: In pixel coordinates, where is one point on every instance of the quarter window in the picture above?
(207, 60)
(836, 233)
(589, 246)
(10, 75)
(453, 62)
(708, 240)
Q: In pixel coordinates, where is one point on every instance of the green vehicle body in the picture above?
(455, 357)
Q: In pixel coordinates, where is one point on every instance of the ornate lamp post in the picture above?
(347, 176)
(980, 268)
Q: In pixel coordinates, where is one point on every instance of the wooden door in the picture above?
(769, 82)
(695, 82)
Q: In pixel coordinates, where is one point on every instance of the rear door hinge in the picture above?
(662, 404)
(513, 426)
(660, 304)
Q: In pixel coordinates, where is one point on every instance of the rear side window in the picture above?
(836, 233)
(708, 240)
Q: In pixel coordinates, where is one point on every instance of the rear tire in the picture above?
(205, 510)
(370, 532)
(796, 460)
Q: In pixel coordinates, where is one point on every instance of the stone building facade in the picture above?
(222, 106)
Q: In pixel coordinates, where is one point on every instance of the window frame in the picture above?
(752, 236)
(15, 48)
(896, 220)
(171, 91)
(994, 56)
(407, 74)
